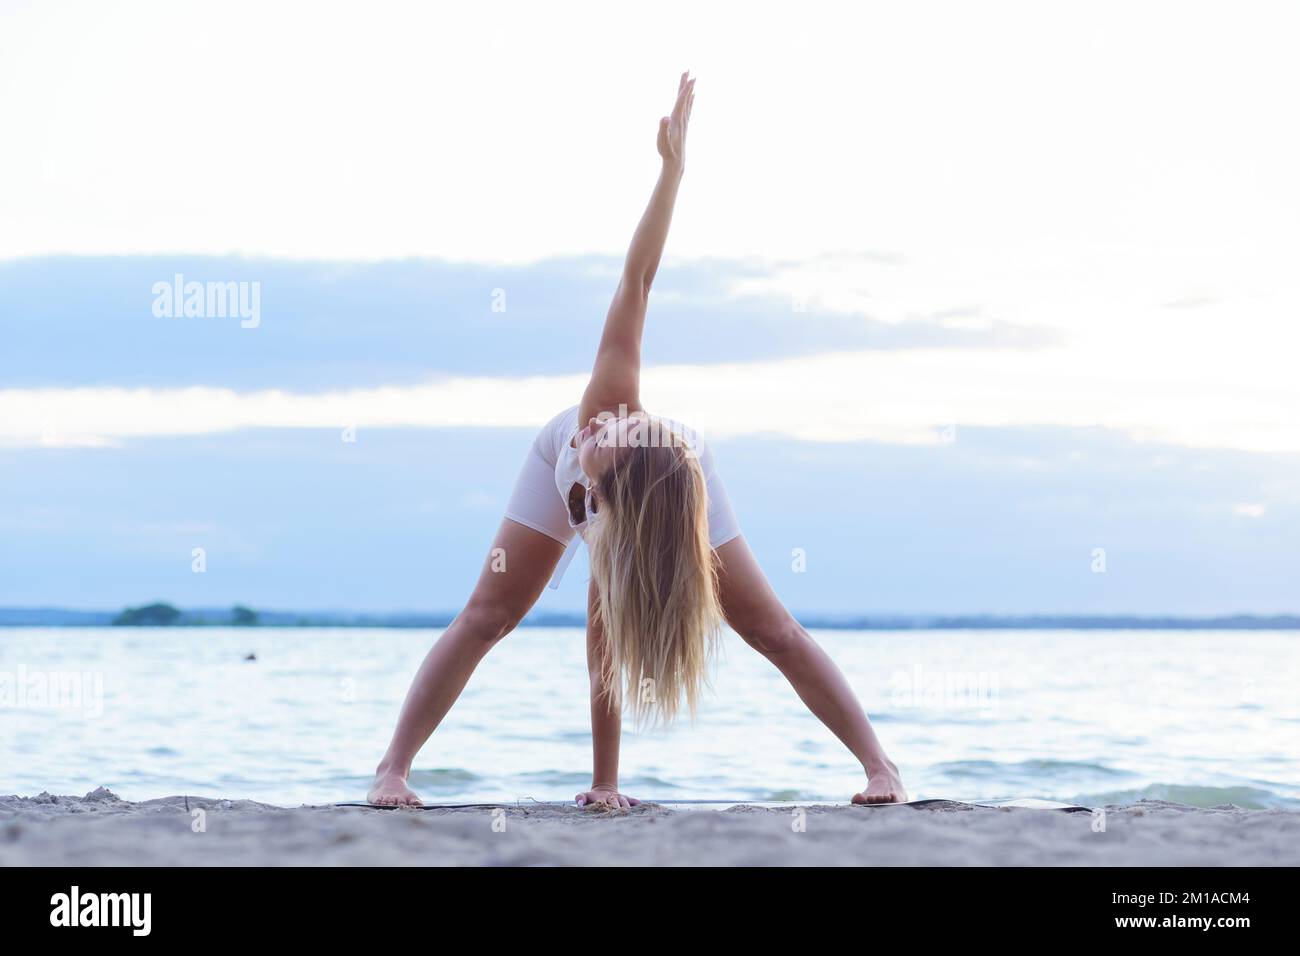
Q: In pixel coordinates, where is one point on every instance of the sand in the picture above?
(99, 829)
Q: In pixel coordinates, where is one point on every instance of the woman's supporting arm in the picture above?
(616, 375)
(606, 721)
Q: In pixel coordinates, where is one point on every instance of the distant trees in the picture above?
(165, 615)
(151, 615)
(241, 616)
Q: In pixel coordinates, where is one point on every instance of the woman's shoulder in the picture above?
(566, 422)
(557, 433)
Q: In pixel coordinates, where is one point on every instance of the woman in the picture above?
(668, 561)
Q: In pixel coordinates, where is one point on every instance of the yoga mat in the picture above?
(1024, 803)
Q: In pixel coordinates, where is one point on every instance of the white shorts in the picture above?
(535, 503)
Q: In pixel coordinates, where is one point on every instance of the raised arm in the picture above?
(616, 376)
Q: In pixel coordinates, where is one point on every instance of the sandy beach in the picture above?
(100, 829)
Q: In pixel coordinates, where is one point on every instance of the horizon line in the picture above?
(223, 616)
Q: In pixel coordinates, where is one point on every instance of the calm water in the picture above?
(1203, 718)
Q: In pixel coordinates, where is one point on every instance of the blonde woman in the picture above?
(668, 562)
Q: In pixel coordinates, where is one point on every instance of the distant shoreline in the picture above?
(221, 617)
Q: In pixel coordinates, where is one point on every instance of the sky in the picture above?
(937, 241)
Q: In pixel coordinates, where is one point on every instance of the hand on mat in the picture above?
(672, 129)
(609, 797)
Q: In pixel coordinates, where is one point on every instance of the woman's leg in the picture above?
(516, 570)
(754, 612)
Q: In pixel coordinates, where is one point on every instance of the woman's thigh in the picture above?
(517, 568)
(751, 607)
(531, 539)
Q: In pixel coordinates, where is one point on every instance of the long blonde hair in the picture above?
(656, 579)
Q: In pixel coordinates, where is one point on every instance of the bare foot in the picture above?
(883, 786)
(390, 790)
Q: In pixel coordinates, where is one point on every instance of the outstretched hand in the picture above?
(672, 128)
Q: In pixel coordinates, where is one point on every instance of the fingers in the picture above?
(685, 100)
(685, 89)
(615, 801)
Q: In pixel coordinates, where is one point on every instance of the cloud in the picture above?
(844, 347)
(1192, 302)
(90, 321)
(919, 396)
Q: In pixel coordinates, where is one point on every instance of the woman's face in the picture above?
(598, 443)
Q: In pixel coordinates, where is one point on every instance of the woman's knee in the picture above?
(770, 635)
(490, 620)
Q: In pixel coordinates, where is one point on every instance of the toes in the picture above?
(864, 798)
(396, 800)
(889, 796)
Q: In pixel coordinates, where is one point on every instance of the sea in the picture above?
(291, 716)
